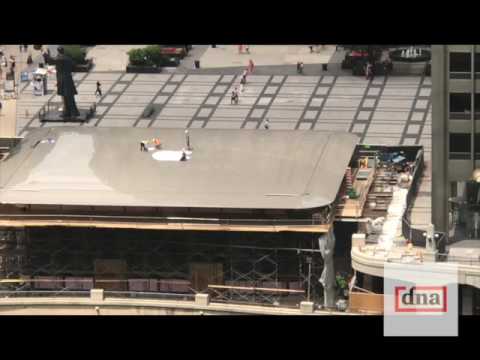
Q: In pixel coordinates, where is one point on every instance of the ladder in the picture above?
(348, 179)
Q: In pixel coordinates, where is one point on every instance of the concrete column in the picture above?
(306, 307)
(440, 137)
(430, 255)
(97, 294)
(358, 240)
(202, 299)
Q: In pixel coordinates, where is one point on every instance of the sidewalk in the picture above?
(265, 55)
(8, 118)
(20, 63)
(111, 57)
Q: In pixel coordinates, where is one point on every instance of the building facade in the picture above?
(455, 139)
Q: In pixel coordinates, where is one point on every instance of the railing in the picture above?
(164, 220)
(459, 155)
(43, 293)
(409, 232)
(86, 294)
(149, 295)
(460, 75)
(256, 295)
(445, 257)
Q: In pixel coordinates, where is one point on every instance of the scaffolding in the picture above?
(258, 268)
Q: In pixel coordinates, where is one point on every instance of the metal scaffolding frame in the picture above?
(246, 259)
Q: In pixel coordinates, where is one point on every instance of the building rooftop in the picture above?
(275, 169)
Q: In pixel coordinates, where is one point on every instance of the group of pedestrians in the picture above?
(243, 82)
(4, 62)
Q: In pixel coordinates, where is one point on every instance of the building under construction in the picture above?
(256, 216)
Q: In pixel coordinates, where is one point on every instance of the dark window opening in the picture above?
(477, 63)
(477, 104)
(460, 105)
(477, 146)
(460, 62)
(460, 145)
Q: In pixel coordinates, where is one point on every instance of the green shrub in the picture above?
(76, 53)
(153, 53)
(137, 57)
(148, 56)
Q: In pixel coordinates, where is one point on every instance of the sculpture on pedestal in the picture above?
(65, 85)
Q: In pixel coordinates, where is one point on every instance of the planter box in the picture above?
(82, 68)
(173, 52)
(143, 69)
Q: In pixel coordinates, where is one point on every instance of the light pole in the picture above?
(309, 262)
(187, 140)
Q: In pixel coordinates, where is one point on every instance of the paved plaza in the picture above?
(392, 111)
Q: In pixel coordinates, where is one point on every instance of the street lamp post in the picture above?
(187, 140)
(309, 262)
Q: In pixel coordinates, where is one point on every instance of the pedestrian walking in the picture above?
(25, 48)
(266, 124)
(247, 49)
(240, 49)
(234, 98)
(369, 71)
(29, 60)
(300, 67)
(251, 66)
(243, 81)
(21, 48)
(311, 49)
(12, 64)
(387, 66)
(1, 105)
(98, 92)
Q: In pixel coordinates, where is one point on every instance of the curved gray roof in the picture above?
(258, 169)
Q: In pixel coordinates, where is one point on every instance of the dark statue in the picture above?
(65, 85)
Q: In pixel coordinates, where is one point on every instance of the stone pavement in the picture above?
(7, 118)
(392, 111)
(265, 55)
(111, 57)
